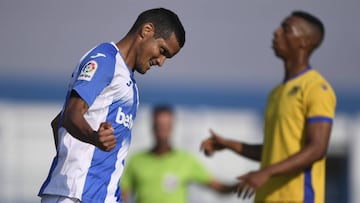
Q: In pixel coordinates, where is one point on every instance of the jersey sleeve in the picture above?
(320, 103)
(93, 76)
(198, 172)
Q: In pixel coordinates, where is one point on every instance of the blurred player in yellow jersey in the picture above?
(298, 121)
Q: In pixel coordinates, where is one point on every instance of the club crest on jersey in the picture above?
(88, 71)
(294, 90)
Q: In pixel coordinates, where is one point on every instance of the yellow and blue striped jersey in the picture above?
(305, 98)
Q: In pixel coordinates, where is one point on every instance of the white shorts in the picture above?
(58, 199)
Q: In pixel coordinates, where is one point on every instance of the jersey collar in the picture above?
(298, 74)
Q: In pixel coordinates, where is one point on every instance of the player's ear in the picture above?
(147, 30)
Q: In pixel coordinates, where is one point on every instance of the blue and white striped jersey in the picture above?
(81, 170)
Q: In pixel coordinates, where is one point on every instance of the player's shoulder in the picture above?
(103, 52)
(315, 78)
(108, 47)
(316, 85)
(102, 55)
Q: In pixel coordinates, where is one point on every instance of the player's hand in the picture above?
(212, 144)
(251, 182)
(106, 139)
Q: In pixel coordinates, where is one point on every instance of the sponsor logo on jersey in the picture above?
(98, 55)
(88, 71)
(124, 119)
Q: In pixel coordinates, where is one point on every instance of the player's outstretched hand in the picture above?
(251, 182)
(212, 144)
(106, 138)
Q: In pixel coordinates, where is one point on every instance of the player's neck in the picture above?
(161, 149)
(294, 67)
(126, 48)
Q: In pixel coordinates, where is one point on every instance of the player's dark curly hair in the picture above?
(165, 22)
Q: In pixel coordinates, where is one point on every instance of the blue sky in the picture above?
(228, 45)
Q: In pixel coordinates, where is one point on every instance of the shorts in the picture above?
(58, 199)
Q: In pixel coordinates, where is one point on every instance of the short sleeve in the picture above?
(95, 72)
(198, 172)
(320, 103)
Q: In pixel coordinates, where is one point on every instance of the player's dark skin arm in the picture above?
(75, 123)
(55, 127)
(221, 187)
(315, 147)
(247, 150)
(215, 142)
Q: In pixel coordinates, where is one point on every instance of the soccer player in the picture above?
(298, 121)
(162, 174)
(93, 131)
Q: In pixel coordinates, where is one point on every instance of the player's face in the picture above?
(154, 52)
(163, 123)
(287, 38)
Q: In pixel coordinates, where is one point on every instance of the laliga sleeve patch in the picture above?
(88, 71)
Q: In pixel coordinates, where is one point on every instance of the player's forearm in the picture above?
(249, 151)
(226, 189)
(296, 163)
(75, 123)
(221, 187)
(315, 147)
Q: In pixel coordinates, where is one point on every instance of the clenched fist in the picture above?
(106, 139)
